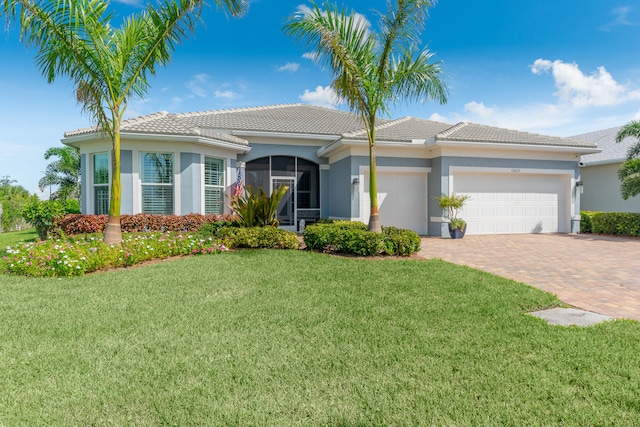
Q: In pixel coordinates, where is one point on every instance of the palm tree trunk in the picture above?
(374, 219)
(113, 231)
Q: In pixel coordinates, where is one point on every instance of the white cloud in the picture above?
(199, 85)
(321, 96)
(580, 90)
(289, 66)
(479, 109)
(227, 94)
(636, 116)
(621, 18)
(438, 118)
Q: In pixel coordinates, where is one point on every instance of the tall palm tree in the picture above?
(63, 173)
(629, 172)
(372, 70)
(107, 65)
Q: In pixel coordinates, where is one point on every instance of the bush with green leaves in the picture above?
(323, 235)
(256, 237)
(617, 223)
(586, 221)
(354, 238)
(43, 215)
(398, 241)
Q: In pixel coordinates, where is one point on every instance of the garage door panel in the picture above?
(507, 203)
(405, 202)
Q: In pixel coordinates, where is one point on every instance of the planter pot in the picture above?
(457, 233)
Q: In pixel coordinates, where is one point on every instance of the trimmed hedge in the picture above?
(83, 224)
(354, 238)
(256, 237)
(616, 223)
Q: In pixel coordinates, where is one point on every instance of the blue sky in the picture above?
(553, 67)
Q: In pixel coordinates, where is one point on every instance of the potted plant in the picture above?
(453, 204)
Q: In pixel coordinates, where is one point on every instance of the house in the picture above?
(186, 163)
(601, 191)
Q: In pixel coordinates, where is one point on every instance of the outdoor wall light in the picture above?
(355, 181)
(580, 185)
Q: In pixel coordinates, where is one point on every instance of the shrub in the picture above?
(323, 235)
(358, 242)
(586, 221)
(398, 241)
(258, 237)
(618, 223)
(353, 238)
(43, 215)
(83, 224)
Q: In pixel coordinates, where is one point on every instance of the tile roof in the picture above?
(404, 129)
(612, 152)
(307, 119)
(166, 124)
(283, 118)
(471, 132)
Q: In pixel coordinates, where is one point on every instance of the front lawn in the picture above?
(299, 338)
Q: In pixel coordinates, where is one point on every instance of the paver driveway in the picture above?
(594, 273)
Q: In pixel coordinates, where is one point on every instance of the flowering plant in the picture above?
(80, 255)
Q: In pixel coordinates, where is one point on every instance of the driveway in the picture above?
(595, 273)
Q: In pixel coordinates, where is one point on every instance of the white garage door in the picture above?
(514, 203)
(402, 200)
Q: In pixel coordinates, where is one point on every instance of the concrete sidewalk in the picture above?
(600, 274)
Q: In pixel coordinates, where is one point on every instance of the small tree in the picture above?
(372, 70)
(63, 172)
(453, 204)
(629, 172)
(107, 65)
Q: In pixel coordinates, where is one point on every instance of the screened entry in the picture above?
(302, 201)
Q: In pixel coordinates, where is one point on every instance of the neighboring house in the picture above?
(183, 163)
(601, 186)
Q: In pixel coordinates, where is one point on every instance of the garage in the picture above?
(402, 198)
(511, 203)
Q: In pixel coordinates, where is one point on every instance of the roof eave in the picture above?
(514, 146)
(196, 139)
(289, 135)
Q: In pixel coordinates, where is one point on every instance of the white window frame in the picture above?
(171, 184)
(95, 185)
(206, 186)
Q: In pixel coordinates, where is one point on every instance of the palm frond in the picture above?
(629, 175)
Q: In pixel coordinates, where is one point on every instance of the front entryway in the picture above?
(286, 212)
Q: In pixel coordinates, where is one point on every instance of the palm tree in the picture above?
(64, 173)
(107, 65)
(370, 70)
(629, 172)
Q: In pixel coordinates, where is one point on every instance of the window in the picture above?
(101, 183)
(213, 186)
(157, 183)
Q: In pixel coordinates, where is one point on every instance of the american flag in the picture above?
(238, 190)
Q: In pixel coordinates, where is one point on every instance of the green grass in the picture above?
(14, 237)
(297, 338)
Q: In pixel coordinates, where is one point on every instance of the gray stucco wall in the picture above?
(602, 190)
(340, 191)
(126, 169)
(190, 200)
